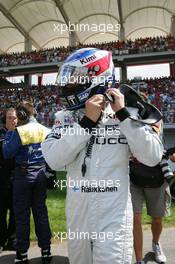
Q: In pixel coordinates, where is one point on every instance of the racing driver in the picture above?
(93, 138)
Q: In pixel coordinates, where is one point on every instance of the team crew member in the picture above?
(7, 227)
(150, 185)
(171, 154)
(158, 203)
(96, 153)
(29, 182)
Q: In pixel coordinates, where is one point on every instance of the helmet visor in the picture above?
(73, 75)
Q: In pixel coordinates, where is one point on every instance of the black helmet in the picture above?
(148, 113)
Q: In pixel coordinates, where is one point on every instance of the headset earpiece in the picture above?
(3, 119)
(22, 114)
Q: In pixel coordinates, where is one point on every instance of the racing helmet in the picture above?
(85, 72)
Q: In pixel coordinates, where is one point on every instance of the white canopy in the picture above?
(40, 21)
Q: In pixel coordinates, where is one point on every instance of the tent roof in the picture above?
(39, 20)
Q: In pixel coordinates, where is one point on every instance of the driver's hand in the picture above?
(119, 101)
(94, 107)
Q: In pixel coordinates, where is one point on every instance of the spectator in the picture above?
(159, 91)
(137, 46)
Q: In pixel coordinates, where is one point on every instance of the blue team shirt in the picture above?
(24, 154)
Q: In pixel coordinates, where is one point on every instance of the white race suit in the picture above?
(98, 205)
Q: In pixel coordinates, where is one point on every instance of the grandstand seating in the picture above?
(45, 99)
(159, 91)
(138, 46)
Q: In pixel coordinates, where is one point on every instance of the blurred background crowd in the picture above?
(137, 46)
(158, 91)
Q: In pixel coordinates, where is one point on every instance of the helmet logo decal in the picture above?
(83, 96)
(87, 59)
(72, 100)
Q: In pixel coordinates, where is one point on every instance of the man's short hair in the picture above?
(28, 105)
(10, 109)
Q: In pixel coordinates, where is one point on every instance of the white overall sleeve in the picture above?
(144, 143)
(63, 145)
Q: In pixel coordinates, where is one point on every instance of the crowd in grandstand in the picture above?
(45, 99)
(159, 91)
(137, 46)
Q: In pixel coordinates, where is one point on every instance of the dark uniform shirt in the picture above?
(6, 165)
